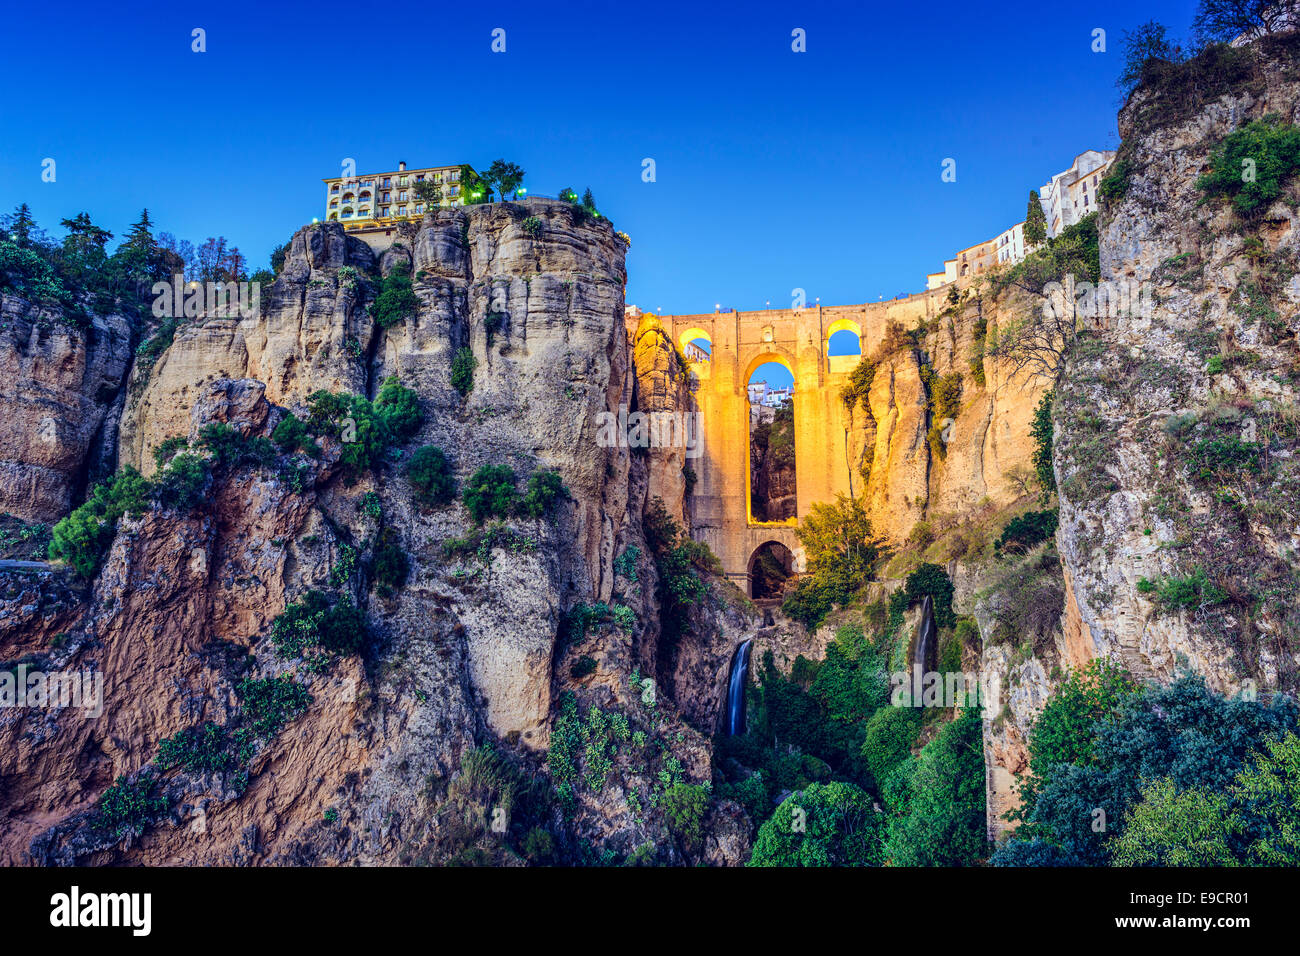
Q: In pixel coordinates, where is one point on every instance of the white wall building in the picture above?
(1072, 194)
(1010, 245)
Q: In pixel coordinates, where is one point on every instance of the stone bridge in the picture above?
(739, 342)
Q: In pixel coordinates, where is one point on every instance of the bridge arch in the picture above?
(693, 335)
(776, 356)
(771, 564)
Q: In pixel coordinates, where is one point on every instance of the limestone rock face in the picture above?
(464, 652)
(1207, 362)
(57, 386)
(311, 333)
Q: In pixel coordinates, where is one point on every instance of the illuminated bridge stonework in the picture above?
(798, 339)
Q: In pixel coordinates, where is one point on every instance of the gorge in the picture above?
(354, 584)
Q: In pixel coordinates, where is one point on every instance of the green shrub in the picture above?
(543, 489)
(270, 703)
(312, 623)
(1226, 458)
(1267, 148)
(229, 448)
(127, 808)
(825, 824)
(582, 667)
(1193, 590)
(490, 493)
(1042, 431)
(463, 364)
(183, 484)
(396, 301)
(82, 538)
(890, 734)
(1026, 530)
(430, 474)
(1114, 185)
(292, 436)
(167, 449)
(399, 409)
(391, 565)
(200, 749)
(684, 805)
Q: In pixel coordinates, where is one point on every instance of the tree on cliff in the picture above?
(1141, 46)
(825, 824)
(474, 188)
(1035, 221)
(1222, 21)
(506, 177)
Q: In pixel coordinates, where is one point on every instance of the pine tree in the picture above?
(22, 227)
(1035, 221)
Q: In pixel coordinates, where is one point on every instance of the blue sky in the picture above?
(775, 170)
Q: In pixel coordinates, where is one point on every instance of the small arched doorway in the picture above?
(770, 567)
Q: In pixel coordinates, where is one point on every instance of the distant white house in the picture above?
(1072, 194)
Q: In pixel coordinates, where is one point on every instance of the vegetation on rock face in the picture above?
(830, 824)
(1124, 776)
(463, 364)
(491, 493)
(840, 549)
(1251, 165)
(82, 538)
(396, 301)
(430, 474)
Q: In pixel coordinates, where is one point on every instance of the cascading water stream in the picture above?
(736, 690)
(924, 656)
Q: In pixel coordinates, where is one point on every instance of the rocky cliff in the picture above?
(1177, 422)
(498, 635)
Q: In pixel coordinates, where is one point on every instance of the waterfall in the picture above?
(736, 690)
(924, 655)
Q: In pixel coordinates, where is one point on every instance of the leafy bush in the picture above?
(684, 805)
(825, 824)
(582, 667)
(490, 493)
(463, 364)
(1193, 590)
(1043, 432)
(1267, 149)
(430, 474)
(889, 737)
(944, 822)
(396, 301)
(200, 749)
(292, 436)
(229, 448)
(1114, 185)
(312, 623)
(391, 566)
(544, 488)
(399, 409)
(82, 538)
(182, 485)
(127, 808)
(1026, 530)
(272, 702)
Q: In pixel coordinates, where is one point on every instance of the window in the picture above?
(420, 178)
(401, 210)
(419, 210)
(388, 197)
(334, 188)
(401, 197)
(403, 180)
(388, 182)
(455, 175)
(383, 211)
